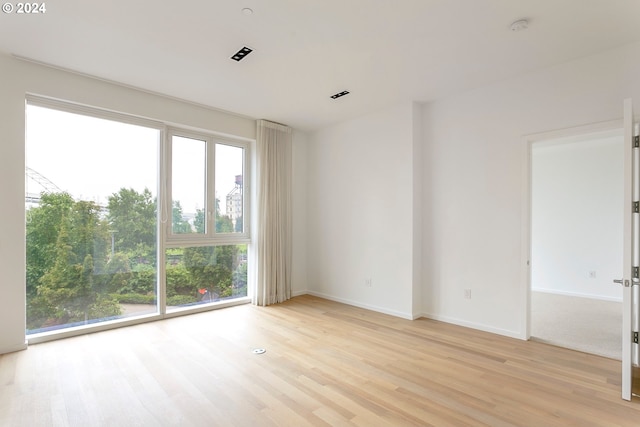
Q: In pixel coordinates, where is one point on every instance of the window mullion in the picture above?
(164, 218)
(211, 188)
(167, 195)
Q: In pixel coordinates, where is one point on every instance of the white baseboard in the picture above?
(446, 319)
(577, 294)
(477, 326)
(361, 305)
(298, 293)
(12, 349)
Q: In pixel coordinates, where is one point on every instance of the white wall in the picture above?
(12, 247)
(299, 213)
(20, 78)
(361, 211)
(416, 234)
(576, 216)
(469, 180)
(475, 178)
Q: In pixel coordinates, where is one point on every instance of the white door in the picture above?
(631, 254)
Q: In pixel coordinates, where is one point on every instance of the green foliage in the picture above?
(134, 298)
(224, 224)
(142, 281)
(181, 300)
(67, 290)
(179, 281)
(118, 272)
(198, 223)
(210, 268)
(132, 218)
(179, 225)
(240, 277)
(83, 262)
(66, 247)
(43, 226)
(88, 233)
(104, 306)
(197, 261)
(58, 286)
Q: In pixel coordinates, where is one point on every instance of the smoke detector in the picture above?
(519, 25)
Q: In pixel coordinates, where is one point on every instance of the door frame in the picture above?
(527, 204)
(631, 252)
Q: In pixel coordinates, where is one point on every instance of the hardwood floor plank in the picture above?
(326, 364)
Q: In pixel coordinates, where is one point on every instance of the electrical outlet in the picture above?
(467, 294)
(592, 274)
(368, 282)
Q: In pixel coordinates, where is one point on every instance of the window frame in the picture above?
(165, 239)
(211, 237)
(103, 114)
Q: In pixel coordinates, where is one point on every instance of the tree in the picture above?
(43, 226)
(224, 224)
(179, 225)
(67, 290)
(89, 234)
(210, 268)
(57, 284)
(239, 225)
(198, 263)
(198, 223)
(179, 281)
(67, 245)
(119, 273)
(132, 218)
(240, 279)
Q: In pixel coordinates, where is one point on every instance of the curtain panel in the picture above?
(274, 222)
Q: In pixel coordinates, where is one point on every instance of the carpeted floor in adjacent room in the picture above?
(584, 324)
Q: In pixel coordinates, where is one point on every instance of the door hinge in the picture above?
(635, 337)
(636, 207)
(636, 272)
(636, 141)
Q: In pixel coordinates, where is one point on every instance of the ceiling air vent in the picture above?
(338, 95)
(241, 53)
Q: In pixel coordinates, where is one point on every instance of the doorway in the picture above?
(576, 241)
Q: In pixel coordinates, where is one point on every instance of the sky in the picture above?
(93, 158)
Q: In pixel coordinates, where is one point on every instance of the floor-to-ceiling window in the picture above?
(206, 247)
(126, 218)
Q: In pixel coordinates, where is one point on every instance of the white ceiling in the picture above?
(382, 51)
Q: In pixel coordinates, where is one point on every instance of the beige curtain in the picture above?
(273, 246)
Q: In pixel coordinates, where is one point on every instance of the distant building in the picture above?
(235, 203)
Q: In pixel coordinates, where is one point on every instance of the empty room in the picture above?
(246, 213)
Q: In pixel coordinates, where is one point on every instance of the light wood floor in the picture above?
(326, 364)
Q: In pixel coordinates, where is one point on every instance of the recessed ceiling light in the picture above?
(519, 25)
(242, 53)
(338, 95)
(247, 11)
